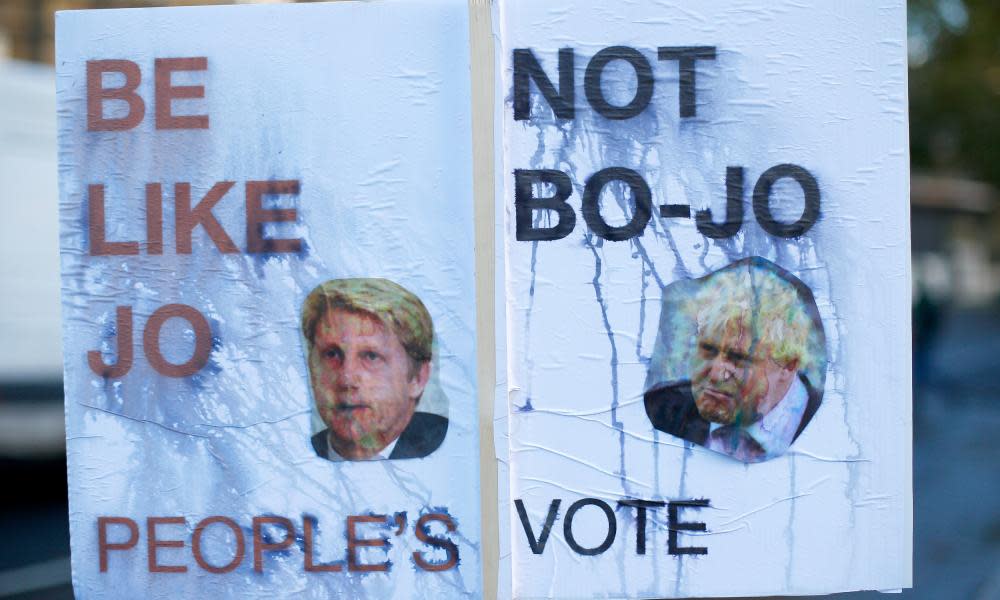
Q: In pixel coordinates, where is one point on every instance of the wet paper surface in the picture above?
(648, 146)
(332, 148)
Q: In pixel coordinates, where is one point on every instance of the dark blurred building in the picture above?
(955, 239)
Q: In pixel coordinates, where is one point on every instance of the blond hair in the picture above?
(755, 299)
(394, 306)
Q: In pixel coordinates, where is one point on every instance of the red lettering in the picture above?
(154, 218)
(424, 536)
(353, 542)
(97, 94)
(257, 215)
(123, 329)
(102, 538)
(186, 218)
(199, 530)
(260, 546)
(311, 566)
(95, 214)
(202, 340)
(166, 93)
(155, 544)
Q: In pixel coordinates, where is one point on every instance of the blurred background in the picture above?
(954, 64)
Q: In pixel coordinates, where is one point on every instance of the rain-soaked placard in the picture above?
(708, 297)
(269, 319)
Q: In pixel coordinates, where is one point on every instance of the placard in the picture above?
(268, 301)
(708, 298)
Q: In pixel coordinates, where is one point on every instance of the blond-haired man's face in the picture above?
(733, 377)
(363, 384)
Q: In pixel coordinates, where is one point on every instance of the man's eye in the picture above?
(333, 353)
(708, 350)
(370, 356)
(740, 360)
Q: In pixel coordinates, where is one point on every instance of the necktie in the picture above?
(736, 442)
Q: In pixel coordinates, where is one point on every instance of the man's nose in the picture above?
(721, 369)
(350, 372)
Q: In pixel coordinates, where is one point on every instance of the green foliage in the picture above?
(955, 87)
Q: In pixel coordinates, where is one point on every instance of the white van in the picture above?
(31, 393)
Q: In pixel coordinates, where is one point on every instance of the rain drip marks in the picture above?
(790, 528)
(642, 319)
(682, 493)
(657, 492)
(617, 424)
(529, 363)
(261, 259)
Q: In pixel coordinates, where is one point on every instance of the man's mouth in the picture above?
(715, 405)
(718, 395)
(348, 407)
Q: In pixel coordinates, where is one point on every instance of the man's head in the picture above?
(369, 344)
(752, 340)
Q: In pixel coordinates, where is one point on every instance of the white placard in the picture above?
(268, 302)
(708, 297)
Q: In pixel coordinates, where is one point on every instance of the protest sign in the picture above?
(268, 302)
(708, 297)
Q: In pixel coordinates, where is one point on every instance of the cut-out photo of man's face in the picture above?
(369, 350)
(740, 361)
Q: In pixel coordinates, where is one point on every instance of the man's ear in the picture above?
(790, 369)
(419, 380)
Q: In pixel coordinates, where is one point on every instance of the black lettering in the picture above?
(643, 90)
(686, 57)
(527, 69)
(675, 211)
(640, 520)
(730, 226)
(641, 197)
(568, 526)
(538, 546)
(762, 201)
(675, 525)
(525, 203)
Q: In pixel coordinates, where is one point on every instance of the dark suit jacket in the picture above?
(671, 409)
(422, 436)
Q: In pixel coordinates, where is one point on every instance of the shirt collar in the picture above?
(383, 454)
(775, 430)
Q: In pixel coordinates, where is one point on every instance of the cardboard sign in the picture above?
(268, 307)
(708, 332)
